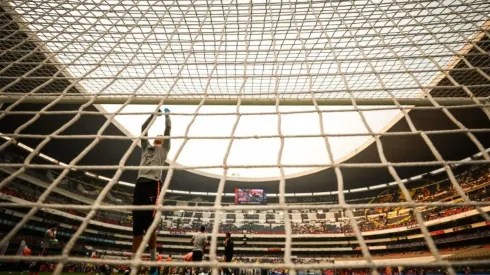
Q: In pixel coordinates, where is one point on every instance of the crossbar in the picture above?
(82, 99)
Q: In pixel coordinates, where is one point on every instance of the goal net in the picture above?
(413, 58)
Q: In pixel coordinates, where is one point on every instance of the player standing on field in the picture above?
(148, 186)
(228, 252)
(48, 242)
(199, 242)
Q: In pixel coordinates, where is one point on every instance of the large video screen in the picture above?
(250, 196)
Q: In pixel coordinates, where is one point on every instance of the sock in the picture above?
(153, 254)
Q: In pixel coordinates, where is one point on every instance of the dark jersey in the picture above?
(229, 248)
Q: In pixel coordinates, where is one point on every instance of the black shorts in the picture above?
(146, 192)
(228, 258)
(197, 256)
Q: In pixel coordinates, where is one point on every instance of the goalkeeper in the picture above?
(48, 243)
(148, 186)
(50, 240)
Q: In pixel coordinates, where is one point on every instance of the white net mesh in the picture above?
(368, 50)
(407, 55)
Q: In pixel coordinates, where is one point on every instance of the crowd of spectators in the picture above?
(476, 190)
(314, 228)
(475, 183)
(83, 267)
(447, 239)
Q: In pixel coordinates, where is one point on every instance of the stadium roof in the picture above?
(407, 148)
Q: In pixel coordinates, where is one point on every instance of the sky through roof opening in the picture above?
(301, 150)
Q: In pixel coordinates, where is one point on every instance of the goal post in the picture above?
(108, 99)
